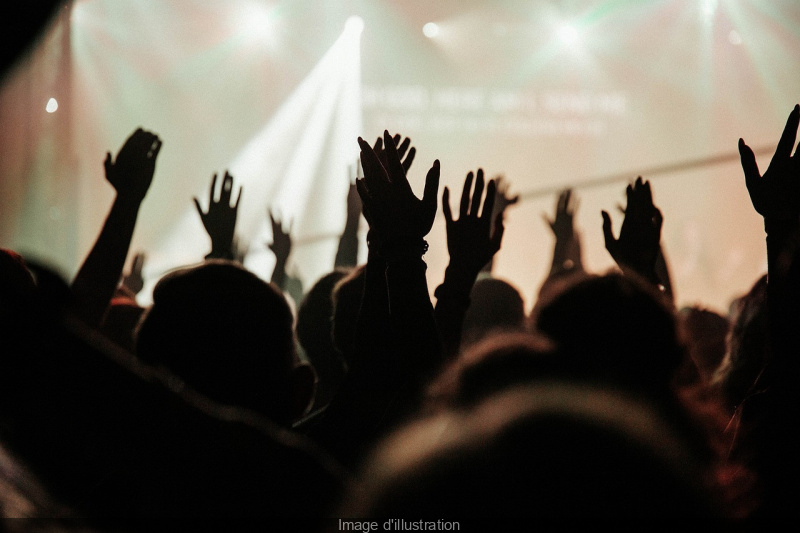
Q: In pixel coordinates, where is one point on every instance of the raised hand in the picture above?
(405, 151)
(638, 245)
(776, 194)
(502, 199)
(471, 240)
(131, 174)
(220, 219)
(396, 216)
(132, 171)
(567, 249)
(562, 223)
(134, 280)
(281, 244)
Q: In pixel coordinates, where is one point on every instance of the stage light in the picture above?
(52, 105)
(568, 34)
(430, 30)
(354, 24)
(734, 38)
(254, 21)
(708, 8)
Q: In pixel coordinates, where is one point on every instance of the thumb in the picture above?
(429, 195)
(749, 165)
(608, 233)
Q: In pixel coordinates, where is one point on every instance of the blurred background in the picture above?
(582, 94)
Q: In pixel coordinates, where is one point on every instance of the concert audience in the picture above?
(601, 406)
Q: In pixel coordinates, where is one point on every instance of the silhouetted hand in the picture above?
(562, 222)
(567, 249)
(134, 280)
(396, 216)
(132, 171)
(776, 194)
(220, 219)
(353, 202)
(281, 244)
(502, 199)
(639, 239)
(471, 241)
(404, 149)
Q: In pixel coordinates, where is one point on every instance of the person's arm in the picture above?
(220, 218)
(133, 280)
(281, 246)
(637, 248)
(776, 197)
(567, 255)
(130, 174)
(347, 251)
(765, 420)
(472, 241)
(502, 201)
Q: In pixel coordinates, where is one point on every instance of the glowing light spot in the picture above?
(51, 106)
(430, 30)
(734, 38)
(568, 34)
(254, 21)
(354, 24)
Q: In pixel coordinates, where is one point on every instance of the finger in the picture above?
(448, 214)
(409, 159)
(658, 218)
(227, 189)
(567, 196)
(211, 193)
(749, 164)
(497, 236)
(365, 201)
(378, 146)
(238, 198)
(431, 191)
(464, 206)
(488, 203)
(199, 209)
(785, 145)
(374, 173)
(477, 194)
(108, 163)
(608, 233)
(395, 168)
(156, 148)
(563, 200)
(402, 148)
(648, 193)
(550, 222)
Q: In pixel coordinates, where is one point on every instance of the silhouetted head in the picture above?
(495, 305)
(228, 335)
(551, 455)
(347, 295)
(315, 334)
(614, 327)
(496, 363)
(748, 344)
(704, 333)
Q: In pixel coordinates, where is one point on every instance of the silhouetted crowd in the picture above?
(368, 405)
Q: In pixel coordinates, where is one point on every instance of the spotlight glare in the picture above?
(354, 24)
(51, 106)
(430, 30)
(568, 34)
